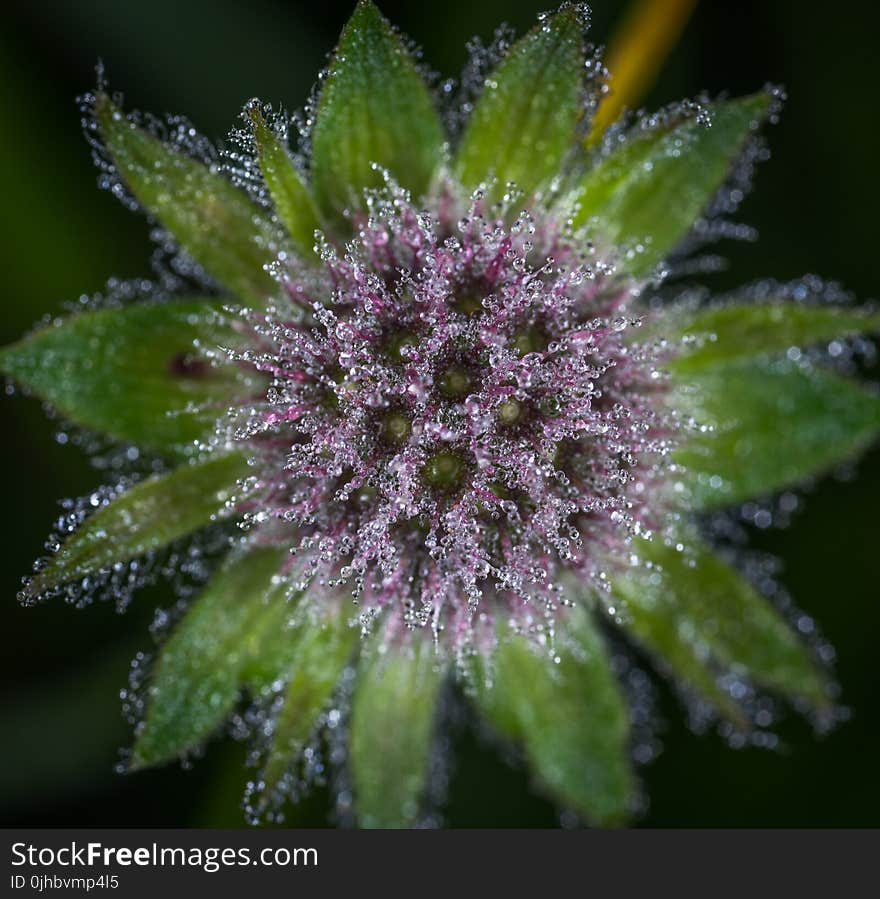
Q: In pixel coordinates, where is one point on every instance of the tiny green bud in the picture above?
(510, 412)
(396, 427)
(468, 304)
(455, 382)
(444, 470)
(398, 342)
(529, 341)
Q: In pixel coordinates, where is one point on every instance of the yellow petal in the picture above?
(644, 39)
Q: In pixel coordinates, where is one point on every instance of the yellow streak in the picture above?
(645, 38)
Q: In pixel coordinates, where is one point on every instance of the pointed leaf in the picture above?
(698, 613)
(198, 675)
(742, 330)
(569, 717)
(134, 373)
(148, 516)
(676, 650)
(320, 654)
(271, 646)
(525, 122)
(374, 107)
(292, 199)
(651, 190)
(392, 727)
(655, 627)
(215, 222)
(775, 424)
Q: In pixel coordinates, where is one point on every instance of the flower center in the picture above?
(463, 462)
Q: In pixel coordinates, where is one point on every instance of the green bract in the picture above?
(204, 665)
(567, 715)
(524, 124)
(752, 414)
(374, 110)
(648, 193)
(135, 373)
(827, 419)
(218, 225)
(146, 517)
(701, 616)
(293, 202)
(392, 721)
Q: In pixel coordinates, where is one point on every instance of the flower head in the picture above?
(454, 416)
(437, 398)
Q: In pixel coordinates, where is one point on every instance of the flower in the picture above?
(430, 391)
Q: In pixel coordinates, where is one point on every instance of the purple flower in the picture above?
(422, 412)
(456, 415)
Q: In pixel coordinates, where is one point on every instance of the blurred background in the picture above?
(816, 206)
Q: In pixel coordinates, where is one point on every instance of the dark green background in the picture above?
(816, 206)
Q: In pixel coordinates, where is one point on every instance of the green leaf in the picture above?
(198, 675)
(775, 424)
(392, 728)
(134, 373)
(292, 199)
(374, 107)
(319, 656)
(745, 330)
(215, 222)
(148, 516)
(675, 649)
(525, 122)
(569, 717)
(700, 615)
(651, 190)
